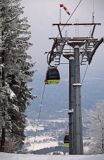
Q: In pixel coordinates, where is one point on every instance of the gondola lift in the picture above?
(66, 141)
(52, 75)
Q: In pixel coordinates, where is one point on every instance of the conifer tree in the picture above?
(15, 69)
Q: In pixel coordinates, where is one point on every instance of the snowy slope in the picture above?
(6, 156)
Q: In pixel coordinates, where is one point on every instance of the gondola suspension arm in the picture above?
(95, 48)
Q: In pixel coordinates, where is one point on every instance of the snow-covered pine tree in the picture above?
(95, 120)
(15, 66)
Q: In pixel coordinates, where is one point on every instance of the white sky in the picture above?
(42, 13)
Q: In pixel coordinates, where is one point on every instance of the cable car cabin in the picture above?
(52, 76)
(66, 141)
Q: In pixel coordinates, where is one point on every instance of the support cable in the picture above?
(71, 15)
(84, 74)
(60, 15)
(74, 11)
(39, 114)
(41, 102)
(93, 12)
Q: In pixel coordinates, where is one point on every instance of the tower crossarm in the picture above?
(88, 46)
(57, 49)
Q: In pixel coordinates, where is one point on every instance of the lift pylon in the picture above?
(81, 52)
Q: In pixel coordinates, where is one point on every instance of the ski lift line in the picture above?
(93, 5)
(43, 94)
(41, 102)
(60, 15)
(71, 15)
(93, 12)
(84, 74)
(39, 114)
(74, 11)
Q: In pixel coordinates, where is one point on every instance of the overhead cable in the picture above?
(84, 74)
(71, 14)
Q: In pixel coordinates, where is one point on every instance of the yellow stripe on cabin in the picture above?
(66, 145)
(53, 81)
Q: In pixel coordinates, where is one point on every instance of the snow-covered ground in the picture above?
(7, 156)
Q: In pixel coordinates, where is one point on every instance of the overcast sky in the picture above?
(42, 13)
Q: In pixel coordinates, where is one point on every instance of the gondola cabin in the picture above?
(52, 76)
(66, 141)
